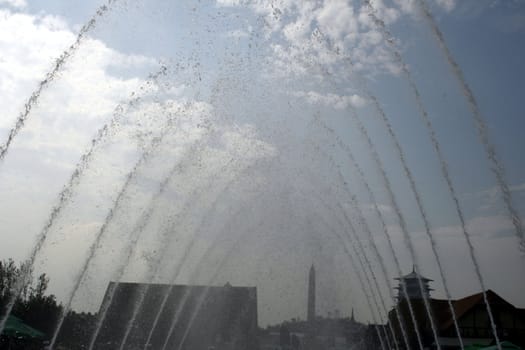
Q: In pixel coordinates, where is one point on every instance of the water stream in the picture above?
(267, 141)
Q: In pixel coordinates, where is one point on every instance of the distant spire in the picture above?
(352, 318)
(311, 295)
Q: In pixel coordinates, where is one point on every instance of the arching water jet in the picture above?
(362, 178)
(149, 151)
(496, 165)
(209, 213)
(50, 76)
(136, 233)
(67, 192)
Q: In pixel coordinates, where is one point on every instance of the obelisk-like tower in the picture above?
(311, 295)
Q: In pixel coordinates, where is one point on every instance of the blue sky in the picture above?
(260, 72)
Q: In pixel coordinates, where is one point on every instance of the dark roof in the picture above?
(400, 288)
(443, 315)
(464, 305)
(413, 275)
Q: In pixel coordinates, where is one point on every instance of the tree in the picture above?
(32, 305)
(41, 287)
(11, 276)
(7, 277)
(39, 310)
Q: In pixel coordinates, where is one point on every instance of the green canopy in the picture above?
(15, 327)
(474, 347)
(504, 345)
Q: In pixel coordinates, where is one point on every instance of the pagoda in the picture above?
(413, 288)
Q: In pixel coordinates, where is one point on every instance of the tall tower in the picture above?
(410, 282)
(311, 295)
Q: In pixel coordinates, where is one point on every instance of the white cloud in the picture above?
(66, 114)
(61, 125)
(244, 142)
(387, 14)
(327, 33)
(69, 111)
(411, 7)
(332, 100)
(336, 19)
(229, 2)
(447, 5)
(407, 6)
(14, 3)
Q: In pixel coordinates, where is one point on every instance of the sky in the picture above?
(232, 130)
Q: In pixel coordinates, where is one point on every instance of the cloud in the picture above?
(336, 19)
(332, 100)
(237, 33)
(325, 35)
(494, 226)
(387, 14)
(229, 2)
(18, 4)
(411, 7)
(315, 34)
(65, 115)
(487, 227)
(245, 142)
(70, 111)
(490, 199)
(447, 5)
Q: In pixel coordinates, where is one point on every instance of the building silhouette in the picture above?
(410, 284)
(311, 295)
(316, 332)
(202, 317)
(470, 311)
(310, 336)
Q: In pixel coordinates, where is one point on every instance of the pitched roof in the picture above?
(413, 275)
(464, 305)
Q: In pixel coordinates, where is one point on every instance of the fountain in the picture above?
(273, 134)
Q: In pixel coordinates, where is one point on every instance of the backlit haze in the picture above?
(243, 113)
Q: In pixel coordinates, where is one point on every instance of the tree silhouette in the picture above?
(33, 306)
(40, 310)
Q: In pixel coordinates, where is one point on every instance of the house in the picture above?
(475, 325)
